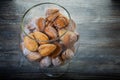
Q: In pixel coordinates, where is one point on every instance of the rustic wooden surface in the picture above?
(98, 23)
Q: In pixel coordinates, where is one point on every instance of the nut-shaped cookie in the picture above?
(62, 32)
(73, 37)
(45, 62)
(41, 24)
(69, 38)
(51, 32)
(29, 43)
(71, 26)
(65, 37)
(27, 30)
(32, 26)
(67, 54)
(46, 49)
(51, 11)
(57, 51)
(61, 22)
(33, 56)
(41, 37)
(52, 17)
(57, 61)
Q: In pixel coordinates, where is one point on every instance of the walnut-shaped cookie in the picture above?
(51, 11)
(52, 17)
(57, 51)
(45, 62)
(30, 43)
(68, 38)
(33, 56)
(46, 49)
(67, 54)
(41, 37)
(61, 22)
(41, 24)
(57, 61)
(71, 26)
(51, 32)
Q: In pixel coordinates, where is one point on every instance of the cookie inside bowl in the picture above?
(49, 40)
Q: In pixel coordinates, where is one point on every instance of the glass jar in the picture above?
(28, 25)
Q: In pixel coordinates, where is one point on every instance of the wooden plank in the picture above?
(97, 23)
(97, 34)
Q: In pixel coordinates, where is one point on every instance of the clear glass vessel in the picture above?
(35, 12)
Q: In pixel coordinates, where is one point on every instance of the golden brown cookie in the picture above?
(51, 32)
(51, 11)
(46, 49)
(57, 51)
(41, 37)
(61, 22)
(41, 24)
(29, 43)
(62, 32)
(69, 38)
(52, 17)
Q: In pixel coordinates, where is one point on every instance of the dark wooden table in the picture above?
(98, 23)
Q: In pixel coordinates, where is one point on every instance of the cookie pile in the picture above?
(37, 45)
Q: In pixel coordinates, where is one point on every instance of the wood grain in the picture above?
(98, 23)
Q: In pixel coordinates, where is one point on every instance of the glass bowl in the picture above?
(29, 18)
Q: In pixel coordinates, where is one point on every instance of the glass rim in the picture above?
(23, 17)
